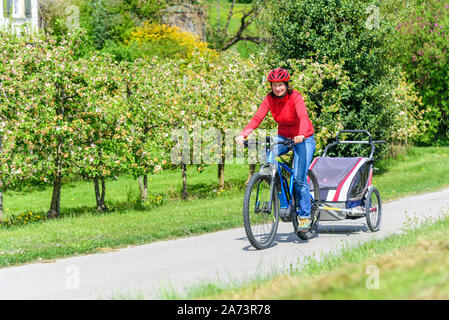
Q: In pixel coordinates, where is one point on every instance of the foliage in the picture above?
(332, 30)
(76, 122)
(101, 24)
(324, 88)
(148, 109)
(102, 141)
(409, 124)
(108, 23)
(420, 46)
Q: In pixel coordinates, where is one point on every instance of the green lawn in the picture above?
(420, 170)
(82, 230)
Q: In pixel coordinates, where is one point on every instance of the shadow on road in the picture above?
(288, 237)
(280, 238)
(342, 228)
(323, 230)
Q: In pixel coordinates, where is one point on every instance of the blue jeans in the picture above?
(302, 157)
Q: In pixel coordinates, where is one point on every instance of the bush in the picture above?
(166, 41)
(420, 45)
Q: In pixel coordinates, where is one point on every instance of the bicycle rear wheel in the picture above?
(260, 223)
(314, 211)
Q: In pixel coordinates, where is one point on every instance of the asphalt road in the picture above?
(224, 256)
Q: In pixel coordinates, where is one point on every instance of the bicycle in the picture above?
(275, 198)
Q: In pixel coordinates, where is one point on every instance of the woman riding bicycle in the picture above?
(289, 111)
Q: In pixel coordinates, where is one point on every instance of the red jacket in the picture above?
(289, 112)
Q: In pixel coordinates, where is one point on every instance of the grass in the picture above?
(419, 170)
(412, 265)
(81, 230)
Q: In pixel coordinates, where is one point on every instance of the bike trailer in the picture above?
(343, 182)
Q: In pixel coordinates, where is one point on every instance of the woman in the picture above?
(289, 111)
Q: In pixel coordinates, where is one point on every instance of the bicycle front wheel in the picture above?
(260, 222)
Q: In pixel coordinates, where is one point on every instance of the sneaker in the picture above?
(304, 224)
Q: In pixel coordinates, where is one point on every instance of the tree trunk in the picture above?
(143, 187)
(252, 170)
(100, 195)
(221, 167)
(55, 208)
(97, 194)
(103, 194)
(221, 176)
(184, 181)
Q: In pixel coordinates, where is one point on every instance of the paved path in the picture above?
(225, 255)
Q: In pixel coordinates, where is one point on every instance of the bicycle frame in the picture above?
(285, 201)
(285, 194)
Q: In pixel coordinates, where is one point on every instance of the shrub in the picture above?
(409, 123)
(166, 41)
(420, 45)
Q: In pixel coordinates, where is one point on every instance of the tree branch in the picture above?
(252, 15)
(257, 40)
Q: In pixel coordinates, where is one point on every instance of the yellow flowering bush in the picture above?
(169, 38)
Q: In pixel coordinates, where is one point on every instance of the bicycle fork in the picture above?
(270, 201)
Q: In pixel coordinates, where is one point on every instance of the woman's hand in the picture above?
(240, 140)
(298, 139)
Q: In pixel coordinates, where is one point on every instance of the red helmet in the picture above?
(278, 75)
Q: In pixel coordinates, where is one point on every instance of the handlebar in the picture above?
(256, 143)
(289, 143)
(353, 131)
(370, 141)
